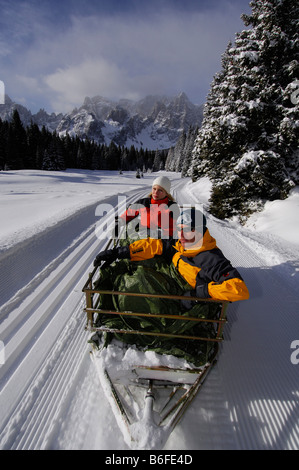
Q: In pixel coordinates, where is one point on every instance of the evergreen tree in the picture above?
(123, 159)
(39, 148)
(113, 157)
(81, 156)
(131, 158)
(3, 140)
(188, 151)
(140, 158)
(179, 157)
(96, 158)
(33, 143)
(248, 142)
(169, 159)
(16, 144)
(53, 155)
(158, 163)
(179, 152)
(69, 151)
(175, 155)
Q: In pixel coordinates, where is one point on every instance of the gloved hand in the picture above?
(111, 255)
(200, 291)
(188, 304)
(107, 255)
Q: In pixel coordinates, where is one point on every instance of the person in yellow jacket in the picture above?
(195, 256)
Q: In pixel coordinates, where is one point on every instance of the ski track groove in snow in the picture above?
(66, 370)
(51, 297)
(249, 400)
(266, 379)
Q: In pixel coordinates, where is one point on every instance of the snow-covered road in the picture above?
(50, 396)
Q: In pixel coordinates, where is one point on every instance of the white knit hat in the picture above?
(163, 182)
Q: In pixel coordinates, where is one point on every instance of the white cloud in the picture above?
(71, 84)
(118, 59)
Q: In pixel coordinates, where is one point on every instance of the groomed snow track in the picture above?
(50, 397)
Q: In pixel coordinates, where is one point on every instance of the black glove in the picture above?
(188, 304)
(111, 255)
(200, 291)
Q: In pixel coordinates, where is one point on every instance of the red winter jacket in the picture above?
(153, 214)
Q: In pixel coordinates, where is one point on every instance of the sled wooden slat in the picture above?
(156, 315)
(156, 296)
(88, 284)
(90, 310)
(150, 333)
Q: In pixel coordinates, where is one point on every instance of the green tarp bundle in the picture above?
(157, 277)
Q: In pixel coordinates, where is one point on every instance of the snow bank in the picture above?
(201, 190)
(279, 218)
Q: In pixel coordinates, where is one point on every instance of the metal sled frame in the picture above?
(164, 396)
(149, 426)
(92, 298)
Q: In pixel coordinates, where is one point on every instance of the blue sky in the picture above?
(55, 53)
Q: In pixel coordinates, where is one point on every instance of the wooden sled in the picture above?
(147, 400)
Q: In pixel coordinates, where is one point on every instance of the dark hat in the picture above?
(192, 218)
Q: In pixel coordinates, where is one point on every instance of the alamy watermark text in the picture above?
(2, 353)
(155, 221)
(295, 353)
(2, 92)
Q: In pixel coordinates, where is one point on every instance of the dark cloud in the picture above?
(54, 57)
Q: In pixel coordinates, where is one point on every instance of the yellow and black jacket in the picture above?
(204, 267)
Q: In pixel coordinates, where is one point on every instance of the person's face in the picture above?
(158, 193)
(187, 236)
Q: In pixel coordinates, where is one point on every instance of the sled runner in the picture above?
(148, 386)
(147, 401)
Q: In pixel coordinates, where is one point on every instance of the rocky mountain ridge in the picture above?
(155, 122)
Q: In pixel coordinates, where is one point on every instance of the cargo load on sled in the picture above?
(151, 356)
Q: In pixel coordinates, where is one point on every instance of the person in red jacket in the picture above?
(156, 212)
(195, 257)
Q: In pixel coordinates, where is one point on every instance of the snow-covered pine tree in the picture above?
(179, 152)
(248, 142)
(169, 160)
(175, 155)
(179, 157)
(189, 144)
(158, 163)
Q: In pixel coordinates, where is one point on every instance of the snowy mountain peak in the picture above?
(154, 122)
(41, 118)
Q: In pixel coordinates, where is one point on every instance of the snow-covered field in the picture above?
(50, 397)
